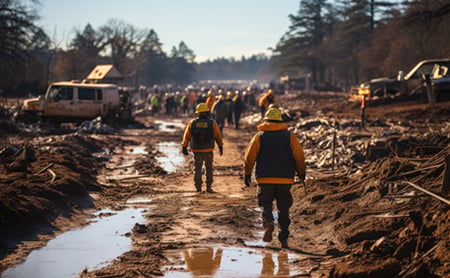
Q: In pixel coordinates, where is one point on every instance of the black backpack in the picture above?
(202, 133)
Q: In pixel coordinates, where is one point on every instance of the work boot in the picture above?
(284, 243)
(198, 188)
(209, 189)
(268, 230)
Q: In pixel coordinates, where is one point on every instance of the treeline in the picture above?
(251, 68)
(337, 42)
(351, 41)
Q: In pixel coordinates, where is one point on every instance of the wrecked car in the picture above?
(384, 88)
(70, 101)
(440, 84)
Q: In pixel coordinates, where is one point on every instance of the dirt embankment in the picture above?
(360, 217)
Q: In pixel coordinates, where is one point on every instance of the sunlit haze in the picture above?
(212, 29)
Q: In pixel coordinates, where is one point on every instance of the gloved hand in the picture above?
(247, 180)
(185, 151)
(221, 150)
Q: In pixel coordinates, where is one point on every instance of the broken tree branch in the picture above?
(348, 187)
(429, 173)
(428, 192)
(130, 177)
(53, 175)
(419, 170)
(446, 179)
(43, 169)
(437, 158)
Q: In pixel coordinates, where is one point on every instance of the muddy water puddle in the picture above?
(219, 261)
(171, 158)
(91, 247)
(120, 167)
(169, 126)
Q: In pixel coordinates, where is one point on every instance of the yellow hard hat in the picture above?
(210, 93)
(201, 108)
(273, 114)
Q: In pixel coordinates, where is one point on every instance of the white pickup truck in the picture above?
(70, 101)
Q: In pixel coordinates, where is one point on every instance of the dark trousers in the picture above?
(263, 111)
(237, 119)
(220, 123)
(230, 118)
(200, 159)
(281, 193)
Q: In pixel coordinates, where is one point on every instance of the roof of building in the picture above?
(104, 72)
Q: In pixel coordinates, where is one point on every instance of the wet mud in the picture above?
(356, 217)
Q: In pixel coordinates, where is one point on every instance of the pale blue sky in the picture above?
(211, 28)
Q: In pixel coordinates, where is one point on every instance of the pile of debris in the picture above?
(387, 184)
(43, 178)
(383, 186)
(346, 146)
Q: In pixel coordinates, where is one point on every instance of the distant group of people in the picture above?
(274, 151)
(173, 103)
(177, 103)
(226, 108)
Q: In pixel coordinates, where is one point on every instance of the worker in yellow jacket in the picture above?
(201, 133)
(210, 100)
(265, 100)
(278, 156)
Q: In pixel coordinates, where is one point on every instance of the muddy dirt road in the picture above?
(121, 202)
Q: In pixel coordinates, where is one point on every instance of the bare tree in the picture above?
(123, 42)
(17, 30)
(83, 54)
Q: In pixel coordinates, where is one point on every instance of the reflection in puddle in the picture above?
(128, 158)
(235, 262)
(91, 247)
(172, 158)
(169, 126)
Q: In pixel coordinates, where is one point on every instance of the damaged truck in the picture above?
(71, 101)
(407, 86)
